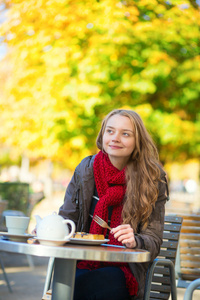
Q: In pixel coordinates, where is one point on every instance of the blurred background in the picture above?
(64, 64)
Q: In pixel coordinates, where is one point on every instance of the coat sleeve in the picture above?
(79, 194)
(70, 207)
(151, 238)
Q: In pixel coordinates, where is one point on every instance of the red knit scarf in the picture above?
(111, 186)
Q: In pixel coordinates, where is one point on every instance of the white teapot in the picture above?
(54, 227)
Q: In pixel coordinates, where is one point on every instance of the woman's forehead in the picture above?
(120, 121)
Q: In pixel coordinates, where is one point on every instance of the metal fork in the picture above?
(101, 222)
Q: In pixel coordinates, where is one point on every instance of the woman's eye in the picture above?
(126, 134)
(109, 131)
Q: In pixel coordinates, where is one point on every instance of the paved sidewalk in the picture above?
(27, 283)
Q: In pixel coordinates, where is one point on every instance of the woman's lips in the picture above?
(115, 147)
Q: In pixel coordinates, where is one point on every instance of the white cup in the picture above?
(17, 225)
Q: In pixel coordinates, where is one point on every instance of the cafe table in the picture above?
(66, 257)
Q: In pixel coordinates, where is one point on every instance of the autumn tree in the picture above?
(68, 63)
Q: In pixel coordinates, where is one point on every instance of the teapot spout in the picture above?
(38, 220)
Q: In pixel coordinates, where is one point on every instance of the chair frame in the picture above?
(190, 289)
(150, 273)
(161, 278)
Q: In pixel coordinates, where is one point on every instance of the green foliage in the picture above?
(71, 62)
(17, 195)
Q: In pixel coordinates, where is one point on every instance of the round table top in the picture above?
(83, 252)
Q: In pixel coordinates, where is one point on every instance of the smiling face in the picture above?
(119, 140)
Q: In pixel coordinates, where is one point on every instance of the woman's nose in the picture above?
(116, 137)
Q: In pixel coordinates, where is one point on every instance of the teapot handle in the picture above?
(73, 228)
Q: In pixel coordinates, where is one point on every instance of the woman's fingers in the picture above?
(34, 231)
(124, 234)
(122, 230)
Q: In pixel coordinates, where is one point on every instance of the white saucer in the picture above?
(16, 237)
(51, 242)
(88, 242)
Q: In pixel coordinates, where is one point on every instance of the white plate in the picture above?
(88, 242)
(17, 237)
(51, 242)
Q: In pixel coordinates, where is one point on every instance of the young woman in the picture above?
(125, 185)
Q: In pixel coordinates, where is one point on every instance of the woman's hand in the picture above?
(34, 231)
(124, 234)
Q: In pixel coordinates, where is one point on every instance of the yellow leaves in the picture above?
(137, 84)
(78, 90)
(70, 157)
(153, 71)
(134, 62)
(123, 12)
(88, 89)
(142, 27)
(149, 4)
(133, 10)
(113, 57)
(160, 9)
(58, 64)
(121, 39)
(69, 58)
(190, 70)
(158, 63)
(144, 86)
(144, 110)
(157, 56)
(172, 129)
(77, 142)
(169, 128)
(131, 13)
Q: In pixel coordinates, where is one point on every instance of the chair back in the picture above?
(161, 281)
(189, 268)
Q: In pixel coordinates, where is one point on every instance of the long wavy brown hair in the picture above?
(142, 172)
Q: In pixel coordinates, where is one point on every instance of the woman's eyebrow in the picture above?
(122, 129)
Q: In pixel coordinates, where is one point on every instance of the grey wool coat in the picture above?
(76, 207)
